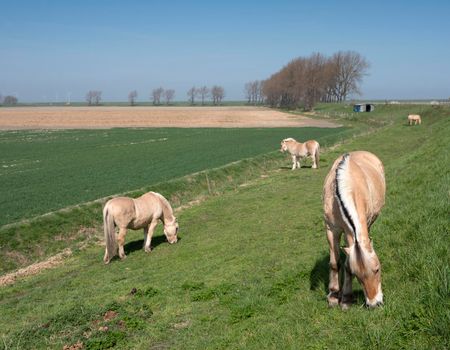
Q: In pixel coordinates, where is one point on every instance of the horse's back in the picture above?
(122, 209)
(366, 174)
(312, 146)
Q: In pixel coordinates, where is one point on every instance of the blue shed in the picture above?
(363, 107)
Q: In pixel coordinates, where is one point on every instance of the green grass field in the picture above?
(43, 171)
(251, 267)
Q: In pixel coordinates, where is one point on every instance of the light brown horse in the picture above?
(353, 196)
(300, 150)
(414, 118)
(135, 213)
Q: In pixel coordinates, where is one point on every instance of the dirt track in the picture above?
(184, 117)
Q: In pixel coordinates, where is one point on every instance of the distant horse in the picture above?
(135, 213)
(414, 118)
(353, 196)
(300, 150)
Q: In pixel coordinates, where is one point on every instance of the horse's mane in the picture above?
(348, 210)
(164, 202)
(343, 195)
(289, 139)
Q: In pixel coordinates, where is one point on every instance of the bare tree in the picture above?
(132, 97)
(10, 100)
(192, 93)
(248, 92)
(93, 97)
(90, 97)
(203, 92)
(261, 92)
(169, 95)
(218, 93)
(156, 95)
(350, 68)
(97, 97)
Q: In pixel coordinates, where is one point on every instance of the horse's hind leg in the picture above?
(121, 241)
(333, 285)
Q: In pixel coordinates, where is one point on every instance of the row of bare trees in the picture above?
(307, 80)
(254, 92)
(216, 94)
(160, 95)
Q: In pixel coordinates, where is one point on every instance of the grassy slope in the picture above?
(250, 270)
(85, 165)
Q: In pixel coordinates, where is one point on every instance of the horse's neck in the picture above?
(296, 146)
(167, 212)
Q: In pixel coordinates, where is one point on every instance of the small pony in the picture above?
(353, 196)
(135, 213)
(300, 150)
(414, 118)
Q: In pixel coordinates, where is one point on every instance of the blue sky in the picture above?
(51, 48)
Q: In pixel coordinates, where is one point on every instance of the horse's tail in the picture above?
(344, 197)
(317, 155)
(110, 235)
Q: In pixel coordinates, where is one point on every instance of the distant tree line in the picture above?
(307, 80)
(161, 96)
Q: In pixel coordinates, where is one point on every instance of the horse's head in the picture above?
(283, 146)
(364, 264)
(171, 231)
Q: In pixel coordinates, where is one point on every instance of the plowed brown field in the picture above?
(184, 117)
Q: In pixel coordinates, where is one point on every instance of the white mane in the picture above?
(344, 196)
(289, 139)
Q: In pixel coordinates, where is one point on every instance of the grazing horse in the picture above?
(414, 118)
(353, 196)
(135, 213)
(300, 150)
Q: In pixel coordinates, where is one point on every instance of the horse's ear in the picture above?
(346, 250)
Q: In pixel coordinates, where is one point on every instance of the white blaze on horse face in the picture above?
(171, 232)
(368, 273)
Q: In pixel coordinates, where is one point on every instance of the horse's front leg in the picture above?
(313, 156)
(121, 241)
(150, 229)
(333, 285)
(294, 162)
(347, 288)
(298, 163)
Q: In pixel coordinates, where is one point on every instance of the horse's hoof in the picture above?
(123, 257)
(333, 302)
(148, 250)
(345, 306)
(106, 262)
